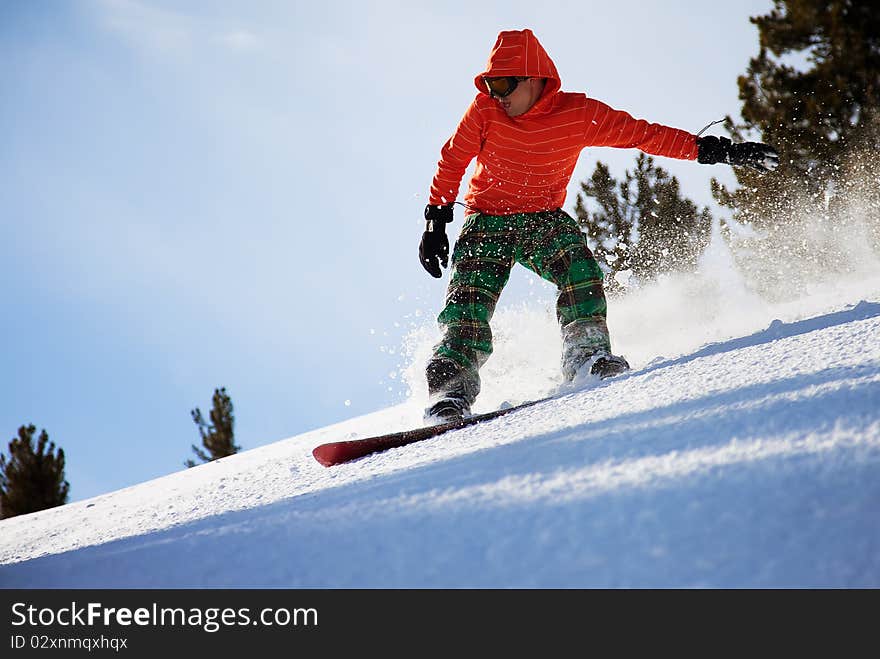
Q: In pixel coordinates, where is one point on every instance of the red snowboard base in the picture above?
(335, 453)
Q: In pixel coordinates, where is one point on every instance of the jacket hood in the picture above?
(519, 53)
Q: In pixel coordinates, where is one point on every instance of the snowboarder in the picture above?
(527, 135)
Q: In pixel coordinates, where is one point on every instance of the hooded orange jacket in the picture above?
(524, 163)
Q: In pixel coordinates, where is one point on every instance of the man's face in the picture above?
(521, 99)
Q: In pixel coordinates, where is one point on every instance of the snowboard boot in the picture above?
(447, 409)
(607, 366)
(451, 391)
(601, 364)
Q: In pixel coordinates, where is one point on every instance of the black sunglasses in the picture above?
(501, 87)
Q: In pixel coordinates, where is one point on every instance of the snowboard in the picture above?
(334, 453)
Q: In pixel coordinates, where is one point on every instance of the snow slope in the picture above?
(741, 451)
(749, 462)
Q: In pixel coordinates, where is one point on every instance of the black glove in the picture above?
(434, 248)
(711, 150)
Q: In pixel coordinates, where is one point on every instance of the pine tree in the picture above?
(32, 478)
(218, 437)
(643, 225)
(609, 229)
(813, 92)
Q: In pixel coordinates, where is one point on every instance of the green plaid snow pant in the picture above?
(550, 244)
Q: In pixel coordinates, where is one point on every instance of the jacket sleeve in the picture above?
(606, 126)
(456, 155)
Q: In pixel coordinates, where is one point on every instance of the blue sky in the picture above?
(197, 195)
